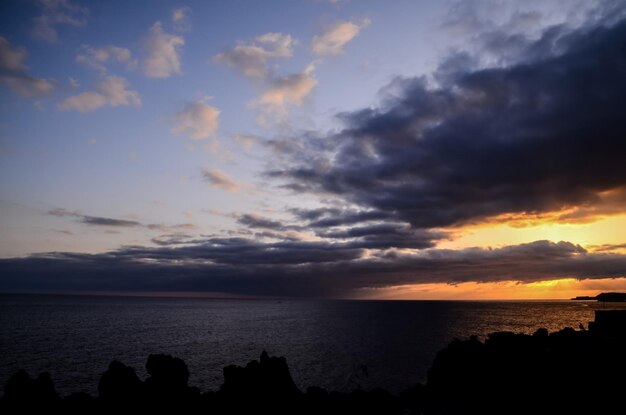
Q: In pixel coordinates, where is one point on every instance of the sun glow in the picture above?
(562, 289)
(608, 230)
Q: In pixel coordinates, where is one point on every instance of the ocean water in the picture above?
(326, 343)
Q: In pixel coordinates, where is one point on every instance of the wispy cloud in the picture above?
(256, 221)
(171, 228)
(55, 13)
(121, 223)
(15, 74)
(217, 178)
(94, 220)
(285, 92)
(112, 92)
(198, 120)
(251, 59)
(246, 141)
(172, 239)
(181, 18)
(98, 58)
(281, 92)
(333, 40)
(163, 53)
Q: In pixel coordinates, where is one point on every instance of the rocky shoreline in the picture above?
(569, 371)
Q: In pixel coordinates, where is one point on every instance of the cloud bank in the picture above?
(296, 268)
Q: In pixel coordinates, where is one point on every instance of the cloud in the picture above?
(281, 92)
(112, 91)
(181, 18)
(100, 221)
(172, 228)
(198, 120)
(98, 58)
(218, 179)
(255, 221)
(11, 59)
(387, 235)
(93, 220)
(172, 239)
(245, 141)
(251, 59)
(545, 135)
(332, 217)
(15, 74)
(105, 221)
(542, 138)
(163, 53)
(58, 12)
(285, 92)
(298, 268)
(333, 40)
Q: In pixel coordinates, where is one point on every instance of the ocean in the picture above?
(339, 345)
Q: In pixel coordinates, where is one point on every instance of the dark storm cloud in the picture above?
(386, 235)
(241, 266)
(541, 135)
(243, 251)
(331, 217)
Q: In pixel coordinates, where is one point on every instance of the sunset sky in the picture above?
(313, 148)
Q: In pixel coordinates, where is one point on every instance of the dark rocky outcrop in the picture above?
(30, 394)
(119, 384)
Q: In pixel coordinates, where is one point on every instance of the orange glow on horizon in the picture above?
(562, 289)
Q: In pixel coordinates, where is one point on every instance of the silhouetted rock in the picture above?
(82, 403)
(23, 393)
(268, 378)
(265, 382)
(567, 371)
(611, 297)
(611, 323)
(605, 297)
(167, 383)
(120, 385)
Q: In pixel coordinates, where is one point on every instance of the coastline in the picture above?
(506, 369)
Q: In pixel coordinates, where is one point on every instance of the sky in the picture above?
(313, 148)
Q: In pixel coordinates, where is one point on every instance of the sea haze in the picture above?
(327, 343)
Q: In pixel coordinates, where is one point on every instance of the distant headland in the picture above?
(606, 297)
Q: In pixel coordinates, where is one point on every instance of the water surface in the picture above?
(326, 343)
